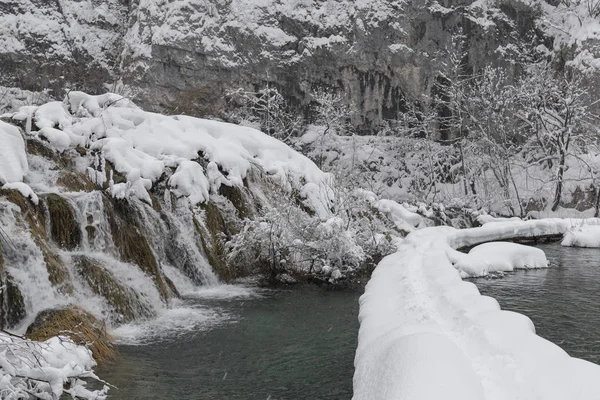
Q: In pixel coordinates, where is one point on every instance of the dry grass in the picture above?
(74, 322)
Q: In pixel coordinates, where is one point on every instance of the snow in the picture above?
(52, 365)
(189, 180)
(426, 333)
(583, 236)
(24, 189)
(13, 159)
(485, 219)
(58, 139)
(145, 146)
(497, 257)
(398, 213)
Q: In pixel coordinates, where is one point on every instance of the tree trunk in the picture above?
(597, 206)
(559, 183)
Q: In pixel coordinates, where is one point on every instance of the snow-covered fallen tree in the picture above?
(427, 334)
(45, 370)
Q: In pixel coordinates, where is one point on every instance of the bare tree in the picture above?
(265, 108)
(556, 109)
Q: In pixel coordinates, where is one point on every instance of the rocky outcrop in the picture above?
(180, 57)
(77, 324)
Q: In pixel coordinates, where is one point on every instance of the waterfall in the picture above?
(95, 230)
(93, 273)
(176, 242)
(25, 263)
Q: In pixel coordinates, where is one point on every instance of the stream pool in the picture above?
(294, 344)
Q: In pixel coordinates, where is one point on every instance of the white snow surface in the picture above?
(25, 190)
(144, 147)
(427, 334)
(497, 257)
(13, 160)
(52, 365)
(582, 236)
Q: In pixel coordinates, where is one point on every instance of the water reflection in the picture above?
(562, 301)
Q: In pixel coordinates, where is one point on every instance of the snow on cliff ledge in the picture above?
(13, 160)
(146, 147)
(427, 334)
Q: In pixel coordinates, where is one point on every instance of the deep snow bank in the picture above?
(197, 156)
(497, 257)
(582, 236)
(426, 334)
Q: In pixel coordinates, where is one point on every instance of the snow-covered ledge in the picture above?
(427, 334)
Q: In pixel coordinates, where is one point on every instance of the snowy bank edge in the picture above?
(425, 333)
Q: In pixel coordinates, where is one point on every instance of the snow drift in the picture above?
(497, 257)
(583, 236)
(426, 334)
(145, 147)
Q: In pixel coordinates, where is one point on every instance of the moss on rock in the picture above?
(12, 306)
(82, 327)
(239, 199)
(39, 148)
(63, 225)
(75, 182)
(124, 301)
(130, 240)
(57, 271)
(35, 218)
(211, 233)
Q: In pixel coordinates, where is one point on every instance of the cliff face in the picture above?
(180, 56)
(60, 44)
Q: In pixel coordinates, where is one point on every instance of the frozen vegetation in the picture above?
(45, 370)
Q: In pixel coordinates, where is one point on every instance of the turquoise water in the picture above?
(292, 344)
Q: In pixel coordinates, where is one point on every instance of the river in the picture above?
(292, 344)
(562, 301)
(299, 343)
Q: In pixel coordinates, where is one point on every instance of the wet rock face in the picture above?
(63, 225)
(12, 305)
(182, 56)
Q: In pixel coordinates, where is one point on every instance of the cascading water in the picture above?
(176, 241)
(97, 278)
(25, 263)
(90, 212)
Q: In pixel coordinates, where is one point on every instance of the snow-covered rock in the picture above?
(497, 257)
(24, 189)
(13, 160)
(145, 146)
